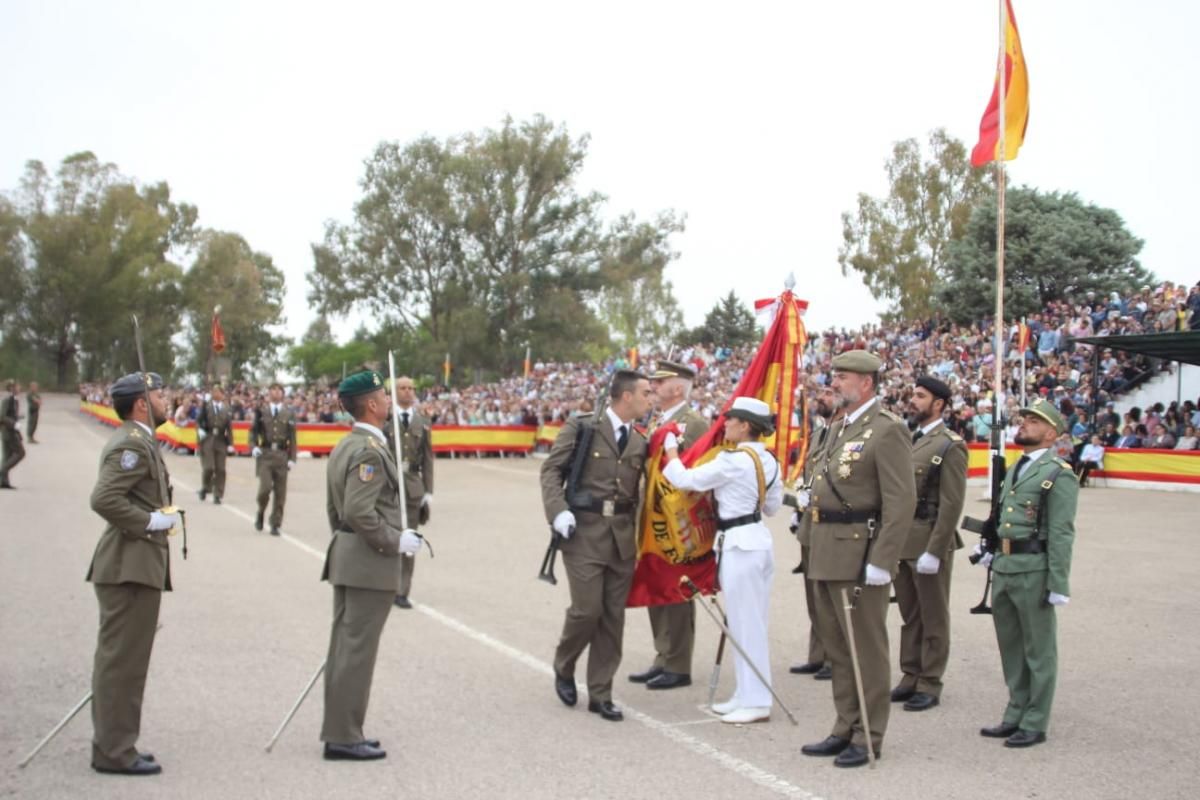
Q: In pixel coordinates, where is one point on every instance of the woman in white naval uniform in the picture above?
(746, 559)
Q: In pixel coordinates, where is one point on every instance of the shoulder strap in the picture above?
(1047, 485)
(935, 467)
(758, 471)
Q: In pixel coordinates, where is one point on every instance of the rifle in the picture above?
(989, 538)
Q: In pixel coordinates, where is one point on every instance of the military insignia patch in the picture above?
(869, 433)
(366, 473)
(844, 471)
(129, 460)
(854, 447)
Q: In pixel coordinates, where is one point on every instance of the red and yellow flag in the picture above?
(218, 333)
(633, 358)
(1016, 101)
(1022, 337)
(677, 528)
(446, 371)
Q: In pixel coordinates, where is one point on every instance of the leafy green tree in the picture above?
(1056, 248)
(635, 300)
(727, 324)
(319, 358)
(898, 243)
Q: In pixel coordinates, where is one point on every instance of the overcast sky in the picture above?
(760, 121)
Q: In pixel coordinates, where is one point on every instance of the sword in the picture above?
(847, 607)
(296, 707)
(400, 457)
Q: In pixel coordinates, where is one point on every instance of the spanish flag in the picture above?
(1022, 337)
(1016, 100)
(527, 364)
(446, 371)
(677, 529)
(633, 358)
(218, 333)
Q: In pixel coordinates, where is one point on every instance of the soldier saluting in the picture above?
(273, 445)
(939, 463)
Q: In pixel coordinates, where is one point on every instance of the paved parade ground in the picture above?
(463, 698)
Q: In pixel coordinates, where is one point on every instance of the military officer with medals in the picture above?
(416, 438)
(11, 448)
(214, 428)
(673, 625)
(939, 458)
(362, 563)
(129, 571)
(273, 445)
(817, 664)
(597, 526)
(862, 505)
(1031, 569)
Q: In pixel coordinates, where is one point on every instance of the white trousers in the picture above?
(745, 577)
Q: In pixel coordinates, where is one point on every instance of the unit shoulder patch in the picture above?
(366, 473)
(129, 460)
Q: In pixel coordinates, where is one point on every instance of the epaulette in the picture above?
(1062, 463)
(954, 437)
(890, 415)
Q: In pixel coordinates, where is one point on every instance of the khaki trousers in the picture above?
(358, 619)
(674, 629)
(128, 619)
(272, 479)
(816, 651)
(925, 636)
(212, 460)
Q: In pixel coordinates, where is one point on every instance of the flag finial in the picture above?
(789, 282)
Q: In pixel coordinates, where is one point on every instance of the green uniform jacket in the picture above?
(278, 432)
(1018, 517)
(807, 478)
(363, 505)
(937, 533)
(606, 475)
(694, 426)
(417, 442)
(870, 464)
(10, 411)
(126, 492)
(214, 424)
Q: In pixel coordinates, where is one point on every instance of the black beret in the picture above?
(936, 388)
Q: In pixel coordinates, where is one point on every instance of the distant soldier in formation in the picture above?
(33, 399)
(273, 445)
(416, 439)
(12, 450)
(214, 426)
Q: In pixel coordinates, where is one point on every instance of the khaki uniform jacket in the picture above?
(870, 464)
(126, 492)
(10, 411)
(279, 430)
(218, 426)
(363, 505)
(606, 475)
(1018, 518)
(808, 476)
(417, 442)
(944, 498)
(694, 426)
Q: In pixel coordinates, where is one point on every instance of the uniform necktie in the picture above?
(404, 419)
(917, 436)
(622, 438)
(218, 408)
(1021, 462)
(274, 410)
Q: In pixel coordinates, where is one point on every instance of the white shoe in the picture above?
(721, 709)
(742, 716)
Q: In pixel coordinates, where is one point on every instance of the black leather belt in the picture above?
(608, 508)
(1012, 547)
(925, 511)
(843, 517)
(277, 446)
(745, 519)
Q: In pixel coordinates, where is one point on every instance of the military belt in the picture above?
(608, 508)
(1012, 547)
(273, 446)
(843, 517)
(745, 519)
(925, 511)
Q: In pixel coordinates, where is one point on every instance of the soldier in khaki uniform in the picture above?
(34, 399)
(674, 625)
(939, 458)
(863, 499)
(362, 564)
(130, 570)
(599, 544)
(214, 426)
(1031, 571)
(416, 438)
(273, 445)
(817, 664)
(11, 448)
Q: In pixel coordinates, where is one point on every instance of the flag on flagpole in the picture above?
(1016, 101)
(677, 529)
(218, 333)
(1022, 337)
(446, 371)
(633, 358)
(527, 364)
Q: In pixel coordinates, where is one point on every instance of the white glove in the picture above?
(1056, 599)
(256, 452)
(290, 465)
(986, 560)
(427, 499)
(795, 521)
(877, 576)
(670, 442)
(201, 435)
(928, 564)
(803, 498)
(229, 449)
(410, 542)
(164, 522)
(564, 524)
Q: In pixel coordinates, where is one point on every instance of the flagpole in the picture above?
(998, 326)
(1021, 341)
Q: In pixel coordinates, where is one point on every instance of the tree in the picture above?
(634, 300)
(318, 357)
(1056, 248)
(727, 324)
(898, 243)
(249, 288)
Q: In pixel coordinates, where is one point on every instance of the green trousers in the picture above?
(1027, 634)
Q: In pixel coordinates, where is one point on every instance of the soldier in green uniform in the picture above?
(416, 439)
(1031, 568)
(214, 427)
(362, 563)
(11, 448)
(130, 570)
(674, 625)
(862, 506)
(817, 664)
(33, 399)
(273, 445)
(599, 539)
(939, 463)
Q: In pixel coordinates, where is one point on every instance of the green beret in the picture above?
(1046, 410)
(670, 369)
(859, 361)
(135, 383)
(360, 383)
